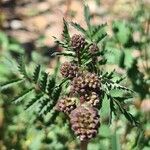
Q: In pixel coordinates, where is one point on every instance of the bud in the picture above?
(93, 49)
(78, 84)
(92, 80)
(91, 99)
(85, 122)
(68, 70)
(66, 104)
(77, 42)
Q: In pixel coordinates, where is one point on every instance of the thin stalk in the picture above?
(145, 47)
(84, 145)
(78, 56)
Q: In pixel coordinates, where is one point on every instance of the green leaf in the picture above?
(22, 68)
(43, 81)
(115, 142)
(87, 16)
(36, 73)
(34, 100)
(138, 138)
(45, 106)
(56, 93)
(54, 114)
(8, 84)
(128, 116)
(110, 75)
(56, 70)
(50, 85)
(121, 79)
(100, 37)
(121, 99)
(62, 43)
(66, 53)
(122, 32)
(97, 29)
(102, 61)
(112, 85)
(22, 95)
(78, 27)
(87, 61)
(112, 109)
(4, 41)
(66, 32)
(15, 47)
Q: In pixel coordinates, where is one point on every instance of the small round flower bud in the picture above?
(77, 42)
(68, 70)
(92, 80)
(78, 84)
(93, 49)
(85, 122)
(92, 99)
(66, 104)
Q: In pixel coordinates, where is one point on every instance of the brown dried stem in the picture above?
(84, 145)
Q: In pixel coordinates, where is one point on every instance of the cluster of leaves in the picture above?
(17, 80)
(46, 92)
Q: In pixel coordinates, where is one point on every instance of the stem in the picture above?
(84, 145)
(79, 59)
(145, 47)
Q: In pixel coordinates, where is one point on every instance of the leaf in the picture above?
(4, 41)
(22, 68)
(50, 85)
(22, 95)
(86, 62)
(8, 84)
(98, 29)
(110, 75)
(66, 53)
(66, 32)
(78, 27)
(63, 81)
(62, 43)
(112, 107)
(138, 138)
(87, 16)
(121, 79)
(100, 37)
(54, 114)
(36, 73)
(112, 85)
(43, 81)
(56, 93)
(122, 59)
(122, 32)
(121, 99)
(56, 70)
(117, 86)
(45, 106)
(102, 61)
(115, 142)
(127, 114)
(15, 47)
(33, 100)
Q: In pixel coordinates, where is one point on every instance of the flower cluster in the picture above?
(85, 122)
(81, 106)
